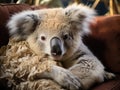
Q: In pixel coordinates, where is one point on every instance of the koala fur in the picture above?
(18, 62)
(57, 33)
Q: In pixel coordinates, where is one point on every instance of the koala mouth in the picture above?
(57, 58)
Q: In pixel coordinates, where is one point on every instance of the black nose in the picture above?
(55, 44)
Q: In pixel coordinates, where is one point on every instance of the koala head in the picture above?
(54, 32)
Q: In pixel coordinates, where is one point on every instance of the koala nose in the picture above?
(55, 45)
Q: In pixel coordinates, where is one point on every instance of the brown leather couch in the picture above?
(104, 42)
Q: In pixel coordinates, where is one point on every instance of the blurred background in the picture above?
(103, 7)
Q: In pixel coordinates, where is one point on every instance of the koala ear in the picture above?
(23, 24)
(80, 16)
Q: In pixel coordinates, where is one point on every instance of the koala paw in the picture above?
(109, 75)
(60, 75)
(66, 79)
(71, 82)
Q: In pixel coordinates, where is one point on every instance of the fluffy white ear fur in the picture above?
(23, 23)
(82, 15)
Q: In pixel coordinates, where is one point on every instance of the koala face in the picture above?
(54, 32)
(56, 37)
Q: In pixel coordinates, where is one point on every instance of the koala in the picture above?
(57, 33)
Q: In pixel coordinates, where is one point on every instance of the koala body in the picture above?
(58, 33)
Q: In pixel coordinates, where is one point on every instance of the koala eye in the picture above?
(66, 36)
(43, 38)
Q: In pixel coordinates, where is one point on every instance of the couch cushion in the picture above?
(109, 85)
(105, 41)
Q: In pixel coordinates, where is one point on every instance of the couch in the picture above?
(104, 42)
